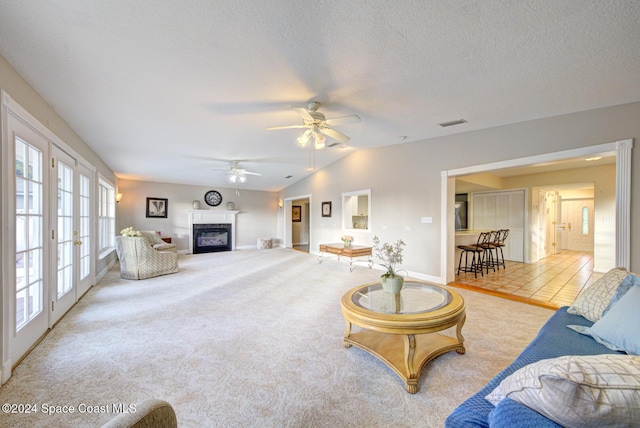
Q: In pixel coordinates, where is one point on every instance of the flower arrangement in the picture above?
(347, 239)
(390, 255)
(128, 231)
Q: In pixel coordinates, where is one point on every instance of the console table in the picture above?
(351, 252)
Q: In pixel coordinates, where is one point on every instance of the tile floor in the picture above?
(552, 282)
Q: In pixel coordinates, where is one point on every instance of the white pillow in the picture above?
(594, 299)
(578, 391)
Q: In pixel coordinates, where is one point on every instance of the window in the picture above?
(29, 224)
(585, 220)
(106, 214)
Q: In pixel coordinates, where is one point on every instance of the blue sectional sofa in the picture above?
(555, 339)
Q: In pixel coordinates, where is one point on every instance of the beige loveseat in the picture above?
(139, 260)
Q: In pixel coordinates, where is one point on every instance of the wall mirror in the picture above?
(356, 209)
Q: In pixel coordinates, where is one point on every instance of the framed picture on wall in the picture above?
(326, 209)
(296, 213)
(157, 207)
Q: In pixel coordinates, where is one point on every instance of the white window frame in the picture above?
(106, 215)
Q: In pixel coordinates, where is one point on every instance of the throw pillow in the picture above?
(594, 299)
(619, 326)
(152, 237)
(626, 284)
(584, 391)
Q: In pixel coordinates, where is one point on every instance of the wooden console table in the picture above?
(351, 252)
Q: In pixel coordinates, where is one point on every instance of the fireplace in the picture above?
(211, 218)
(210, 238)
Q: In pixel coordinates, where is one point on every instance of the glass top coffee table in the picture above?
(402, 329)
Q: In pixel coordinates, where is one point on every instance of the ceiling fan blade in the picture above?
(275, 128)
(332, 133)
(252, 173)
(303, 113)
(344, 120)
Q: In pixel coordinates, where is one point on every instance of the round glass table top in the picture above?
(415, 298)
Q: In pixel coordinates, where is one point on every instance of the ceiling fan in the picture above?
(237, 174)
(317, 126)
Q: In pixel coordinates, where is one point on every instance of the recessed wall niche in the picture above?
(356, 210)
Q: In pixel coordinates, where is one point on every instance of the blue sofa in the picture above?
(553, 340)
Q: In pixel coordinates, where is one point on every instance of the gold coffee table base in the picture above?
(405, 354)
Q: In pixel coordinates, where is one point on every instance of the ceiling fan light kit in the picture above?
(317, 126)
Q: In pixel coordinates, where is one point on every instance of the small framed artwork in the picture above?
(326, 209)
(296, 213)
(157, 207)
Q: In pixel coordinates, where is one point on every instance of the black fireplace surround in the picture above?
(210, 238)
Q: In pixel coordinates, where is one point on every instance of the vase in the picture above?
(392, 284)
(347, 244)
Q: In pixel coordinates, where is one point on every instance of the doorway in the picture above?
(297, 223)
(617, 225)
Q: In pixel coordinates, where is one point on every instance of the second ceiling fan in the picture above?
(318, 127)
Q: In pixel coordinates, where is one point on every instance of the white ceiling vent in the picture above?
(452, 123)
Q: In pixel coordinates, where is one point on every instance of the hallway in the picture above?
(552, 282)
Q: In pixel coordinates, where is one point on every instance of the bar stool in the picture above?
(499, 243)
(477, 256)
(488, 258)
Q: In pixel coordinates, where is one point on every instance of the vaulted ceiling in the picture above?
(172, 91)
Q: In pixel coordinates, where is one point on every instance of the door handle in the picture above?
(569, 226)
(77, 242)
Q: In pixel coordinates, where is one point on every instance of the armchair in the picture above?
(138, 260)
(151, 413)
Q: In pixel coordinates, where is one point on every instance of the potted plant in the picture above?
(391, 257)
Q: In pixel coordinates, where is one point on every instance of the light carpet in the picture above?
(250, 338)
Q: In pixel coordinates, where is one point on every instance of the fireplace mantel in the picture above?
(212, 216)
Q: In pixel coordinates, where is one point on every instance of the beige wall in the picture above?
(256, 219)
(406, 179)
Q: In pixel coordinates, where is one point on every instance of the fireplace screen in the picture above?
(208, 238)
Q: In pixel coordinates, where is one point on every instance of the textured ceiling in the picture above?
(168, 91)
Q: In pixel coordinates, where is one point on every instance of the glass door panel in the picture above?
(65, 234)
(85, 268)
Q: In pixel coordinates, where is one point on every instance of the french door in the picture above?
(64, 233)
(29, 282)
(51, 211)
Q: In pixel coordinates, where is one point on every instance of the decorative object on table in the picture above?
(231, 206)
(157, 207)
(391, 257)
(346, 240)
(326, 209)
(296, 213)
(213, 198)
(196, 205)
(128, 231)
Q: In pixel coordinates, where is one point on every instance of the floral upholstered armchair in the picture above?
(139, 260)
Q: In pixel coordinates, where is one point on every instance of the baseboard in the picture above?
(104, 271)
(6, 372)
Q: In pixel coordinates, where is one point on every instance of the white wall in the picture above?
(405, 180)
(256, 219)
